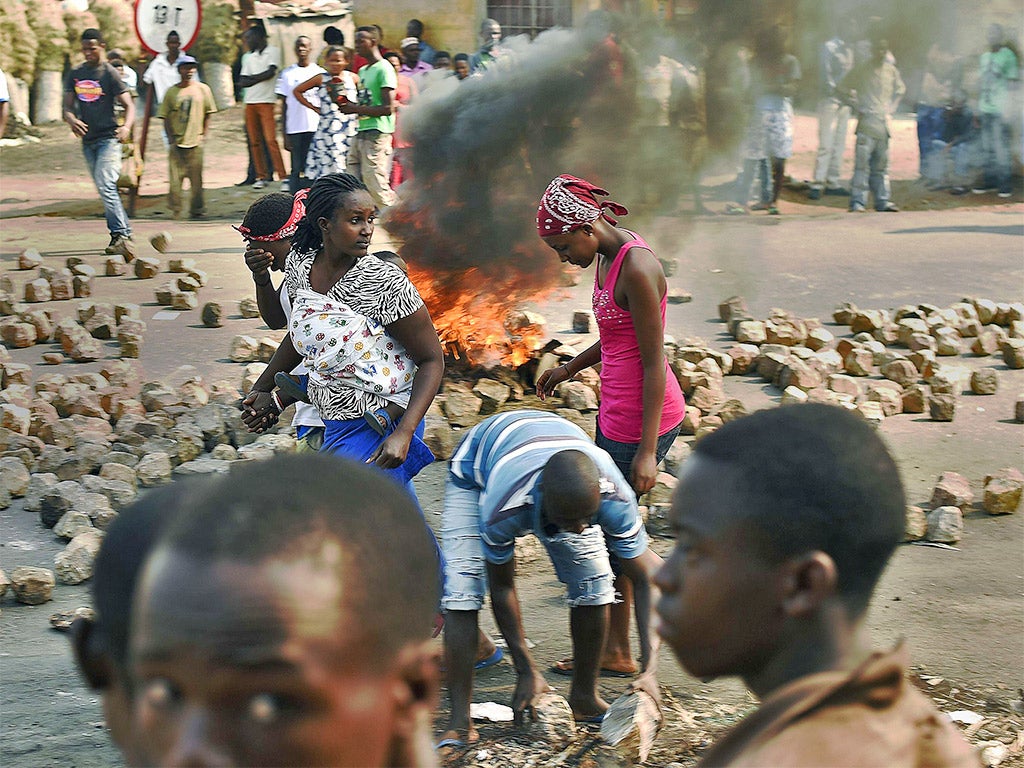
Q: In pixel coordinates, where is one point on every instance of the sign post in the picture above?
(154, 20)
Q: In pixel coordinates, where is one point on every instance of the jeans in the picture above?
(104, 160)
(833, 119)
(929, 124)
(300, 148)
(871, 171)
(937, 166)
(741, 194)
(369, 159)
(580, 559)
(262, 132)
(622, 453)
(995, 151)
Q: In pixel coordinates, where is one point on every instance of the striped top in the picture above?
(502, 458)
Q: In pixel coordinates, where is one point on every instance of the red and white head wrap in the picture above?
(288, 228)
(569, 203)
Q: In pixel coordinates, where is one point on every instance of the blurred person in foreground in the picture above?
(785, 520)
(272, 628)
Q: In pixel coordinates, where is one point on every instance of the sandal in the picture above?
(565, 667)
(380, 421)
(293, 386)
(735, 209)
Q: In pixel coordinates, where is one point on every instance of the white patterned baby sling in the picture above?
(343, 347)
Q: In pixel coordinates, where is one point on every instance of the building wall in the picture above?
(450, 25)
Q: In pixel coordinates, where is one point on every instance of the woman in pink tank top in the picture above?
(642, 405)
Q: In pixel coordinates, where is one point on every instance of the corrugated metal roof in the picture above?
(302, 8)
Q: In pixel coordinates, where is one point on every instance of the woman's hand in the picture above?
(259, 262)
(392, 452)
(550, 379)
(259, 412)
(643, 472)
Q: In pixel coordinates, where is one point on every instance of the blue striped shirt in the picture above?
(502, 457)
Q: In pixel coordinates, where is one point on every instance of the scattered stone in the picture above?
(582, 321)
(942, 406)
(161, 241)
(248, 307)
(984, 381)
(916, 398)
(945, 525)
(493, 394)
(115, 266)
(30, 258)
(129, 311)
(74, 565)
(1003, 491)
(213, 315)
(203, 466)
(227, 452)
(116, 471)
(552, 722)
(181, 265)
(18, 335)
(872, 412)
(669, 266)
(867, 320)
(664, 487)
(184, 300)
(32, 586)
(463, 408)
(731, 307)
(15, 418)
(751, 332)
(819, 338)
(860, 362)
(163, 295)
(679, 296)
(578, 396)
(147, 267)
(1018, 409)
(82, 286)
(5, 582)
(187, 283)
(844, 313)
(62, 620)
(677, 454)
(952, 489)
(1013, 353)
(916, 525)
(154, 469)
(793, 396)
(71, 524)
(691, 421)
(890, 401)
(38, 290)
(901, 371)
(244, 349)
(14, 478)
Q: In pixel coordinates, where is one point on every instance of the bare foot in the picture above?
(609, 667)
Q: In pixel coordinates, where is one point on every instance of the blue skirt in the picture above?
(356, 440)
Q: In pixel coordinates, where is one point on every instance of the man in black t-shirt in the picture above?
(90, 92)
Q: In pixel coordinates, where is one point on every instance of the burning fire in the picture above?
(483, 324)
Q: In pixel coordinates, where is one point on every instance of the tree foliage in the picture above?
(117, 23)
(18, 43)
(218, 35)
(47, 21)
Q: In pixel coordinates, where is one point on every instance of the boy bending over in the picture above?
(785, 521)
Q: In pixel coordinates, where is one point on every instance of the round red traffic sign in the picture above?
(154, 19)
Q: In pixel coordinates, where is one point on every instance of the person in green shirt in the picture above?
(999, 66)
(186, 111)
(369, 154)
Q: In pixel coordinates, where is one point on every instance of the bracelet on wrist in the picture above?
(276, 398)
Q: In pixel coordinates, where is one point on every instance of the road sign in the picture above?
(154, 19)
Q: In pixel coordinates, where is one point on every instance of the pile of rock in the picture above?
(74, 280)
(180, 293)
(806, 361)
(78, 337)
(941, 520)
(78, 448)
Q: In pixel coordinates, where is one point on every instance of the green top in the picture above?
(997, 69)
(373, 79)
(184, 111)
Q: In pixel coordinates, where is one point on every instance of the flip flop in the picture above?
(592, 720)
(290, 386)
(566, 671)
(491, 660)
(458, 744)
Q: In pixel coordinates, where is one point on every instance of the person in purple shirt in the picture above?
(413, 65)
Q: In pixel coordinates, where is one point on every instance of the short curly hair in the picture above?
(268, 214)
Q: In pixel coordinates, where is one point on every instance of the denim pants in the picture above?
(104, 160)
(580, 559)
(833, 119)
(929, 126)
(871, 171)
(741, 192)
(995, 151)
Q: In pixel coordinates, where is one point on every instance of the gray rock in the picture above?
(244, 349)
(916, 525)
(952, 489)
(32, 586)
(74, 565)
(213, 315)
(71, 524)
(58, 499)
(1013, 353)
(154, 469)
(39, 483)
(226, 452)
(248, 308)
(119, 493)
(119, 471)
(945, 525)
(984, 381)
(463, 408)
(203, 466)
(582, 321)
(493, 393)
(14, 476)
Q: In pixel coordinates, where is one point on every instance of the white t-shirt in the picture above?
(162, 74)
(5, 94)
(254, 63)
(299, 119)
(306, 415)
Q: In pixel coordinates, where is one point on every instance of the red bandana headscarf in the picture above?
(569, 203)
(288, 228)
